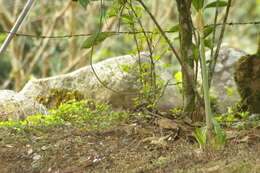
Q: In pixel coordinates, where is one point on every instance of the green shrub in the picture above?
(88, 114)
(82, 113)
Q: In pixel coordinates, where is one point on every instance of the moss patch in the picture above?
(55, 97)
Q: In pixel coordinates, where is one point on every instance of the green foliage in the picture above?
(246, 124)
(87, 114)
(125, 68)
(128, 18)
(6, 68)
(230, 92)
(213, 102)
(241, 120)
(175, 112)
(96, 39)
(219, 138)
(213, 129)
(201, 136)
(131, 15)
(195, 52)
(84, 3)
(207, 31)
(175, 28)
(198, 4)
(32, 122)
(83, 113)
(178, 79)
(2, 37)
(216, 4)
(116, 8)
(232, 116)
(208, 43)
(150, 85)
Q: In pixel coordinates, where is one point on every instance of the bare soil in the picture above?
(126, 147)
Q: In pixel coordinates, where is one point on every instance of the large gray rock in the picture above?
(118, 74)
(118, 86)
(113, 74)
(223, 83)
(15, 106)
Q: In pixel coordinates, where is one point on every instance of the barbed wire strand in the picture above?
(116, 32)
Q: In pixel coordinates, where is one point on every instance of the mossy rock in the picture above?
(247, 77)
(55, 97)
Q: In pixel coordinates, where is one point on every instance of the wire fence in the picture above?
(114, 32)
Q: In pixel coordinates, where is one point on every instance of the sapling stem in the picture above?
(205, 84)
(204, 70)
(16, 26)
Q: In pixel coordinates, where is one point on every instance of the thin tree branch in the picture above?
(161, 31)
(214, 32)
(215, 58)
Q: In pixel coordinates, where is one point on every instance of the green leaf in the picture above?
(220, 137)
(230, 92)
(175, 28)
(126, 68)
(129, 19)
(2, 37)
(216, 4)
(207, 31)
(208, 43)
(83, 3)
(112, 13)
(176, 38)
(198, 4)
(195, 52)
(95, 39)
(157, 57)
(178, 77)
(201, 136)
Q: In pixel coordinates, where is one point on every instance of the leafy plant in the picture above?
(175, 111)
(2, 37)
(79, 113)
(96, 39)
(87, 114)
(230, 92)
(178, 79)
(84, 3)
(199, 4)
(219, 139)
(201, 137)
(216, 4)
(213, 131)
(232, 116)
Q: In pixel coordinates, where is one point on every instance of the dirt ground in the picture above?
(126, 147)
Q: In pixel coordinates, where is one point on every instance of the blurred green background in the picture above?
(30, 57)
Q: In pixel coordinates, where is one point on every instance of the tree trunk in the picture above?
(247, 77)
(187, 55)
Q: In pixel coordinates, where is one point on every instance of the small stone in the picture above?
(36, 157)
(30, 151)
